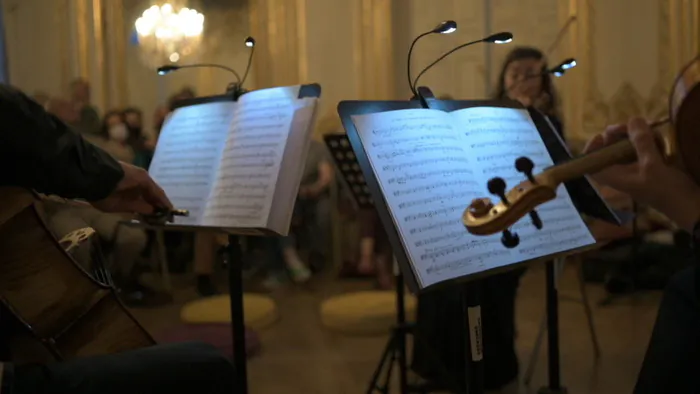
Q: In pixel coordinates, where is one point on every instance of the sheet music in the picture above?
(429, 173)
(187, 156)
(250, 164)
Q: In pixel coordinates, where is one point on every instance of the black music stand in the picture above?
(353, 179)
(234, 253)
(584, 196)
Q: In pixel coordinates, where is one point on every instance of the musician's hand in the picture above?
(649, 180)
(135, 193)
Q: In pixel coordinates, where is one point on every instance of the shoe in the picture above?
(140, 296)
(205, 286)
(300, 274)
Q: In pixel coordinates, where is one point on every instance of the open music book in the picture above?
(430, 164)
(236, 165)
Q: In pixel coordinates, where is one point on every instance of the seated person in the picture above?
(311, 215)
(671, 360)
(206, 245)
(375, 251)
(38, 151)
(113, 137)
(142, 147)
(125, 245)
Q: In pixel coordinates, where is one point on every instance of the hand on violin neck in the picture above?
(649, 180)
(137, 192)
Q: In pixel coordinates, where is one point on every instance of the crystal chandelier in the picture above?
(168, 36)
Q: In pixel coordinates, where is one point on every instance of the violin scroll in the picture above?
(483, 217)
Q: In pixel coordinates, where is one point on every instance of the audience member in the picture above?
(375, 251)
(141, 145)
(311, 221)
(113, 137)
(88, 121)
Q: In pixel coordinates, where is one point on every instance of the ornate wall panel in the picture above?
(628, 71)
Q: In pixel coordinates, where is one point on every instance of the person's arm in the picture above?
(40, 152)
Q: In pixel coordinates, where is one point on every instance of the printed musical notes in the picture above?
(251, 161)
(431, 164)
(236, 165)
(188, 153)
(499, 129)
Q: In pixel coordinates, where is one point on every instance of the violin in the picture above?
(679, 146)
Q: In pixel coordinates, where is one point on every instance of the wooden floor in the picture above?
(300, 357)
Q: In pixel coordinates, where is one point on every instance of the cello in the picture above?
(62, 311)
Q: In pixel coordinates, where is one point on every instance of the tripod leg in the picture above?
(386, 354)
(589, 313)
(535, 352)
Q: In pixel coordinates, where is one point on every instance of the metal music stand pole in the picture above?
(552, 299)
(235, 283)
(395, 350)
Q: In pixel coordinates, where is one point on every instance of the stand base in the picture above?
(547, 390)
(390, 356)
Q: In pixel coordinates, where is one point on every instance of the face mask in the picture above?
(118, 133)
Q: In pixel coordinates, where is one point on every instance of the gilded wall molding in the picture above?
(627, 101)
(103, 101)
(63, 30)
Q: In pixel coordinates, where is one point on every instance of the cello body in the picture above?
(60, 308)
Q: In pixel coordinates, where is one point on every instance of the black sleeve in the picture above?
(38, 151)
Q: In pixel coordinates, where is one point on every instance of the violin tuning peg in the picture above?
(526, 166)
(509, 239)
(497, 186)
(536, 221)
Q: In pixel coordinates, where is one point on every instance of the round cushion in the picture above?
(365, 312)
(259, 312)
(218, 335)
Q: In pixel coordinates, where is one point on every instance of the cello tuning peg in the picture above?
(497, 186)
(509, 239)
(536, 221)
(526, 166)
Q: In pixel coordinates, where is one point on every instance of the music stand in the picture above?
(234, 253)
(591, 204)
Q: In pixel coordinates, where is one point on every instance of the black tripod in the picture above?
(395, 349)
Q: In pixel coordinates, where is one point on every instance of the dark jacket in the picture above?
(40, 152)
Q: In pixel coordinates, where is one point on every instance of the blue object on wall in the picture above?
(134, 39)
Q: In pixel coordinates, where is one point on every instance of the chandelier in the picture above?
(167, 36)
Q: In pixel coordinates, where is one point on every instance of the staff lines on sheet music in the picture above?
(235, 166)
(245, 176)
(512, 153)
(428, 128)
(172, 141)
(433, 212)
(452, 159)
(403, 140)
(253, 146)
(560, 243)
(548, 234)
(436, 226)
(500, 130)
(512, 142)
(448, 236)
(444, 251)
(526, 224)
(440, 197)
(506, 167)
(435, 185)
(429, 174)
(246, 130)
(422, 149)
(248, 186)
(256, 155)
(495, 120)
(459, 263)
(256, 137)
